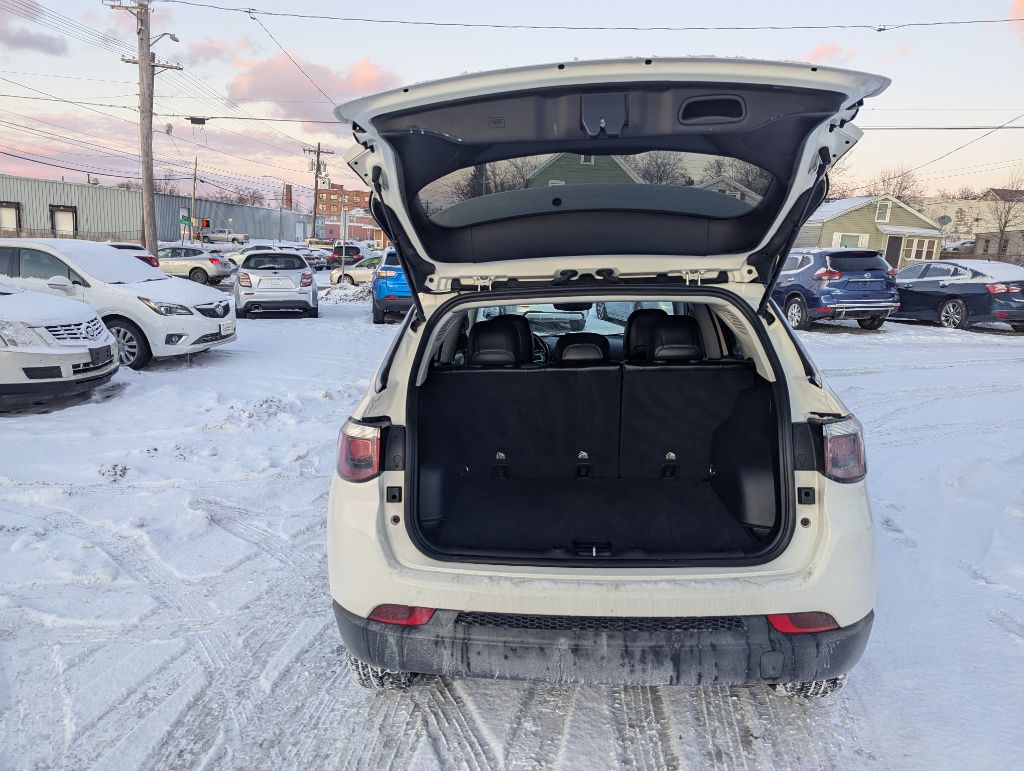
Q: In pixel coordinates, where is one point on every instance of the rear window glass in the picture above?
(850, 263)
(391, 258)
(274, 262)
(662, 180)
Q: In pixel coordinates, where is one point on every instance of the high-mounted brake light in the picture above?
(403, 615)
(358, 452)
(244, 280)
(306, 280)
(827, 274)
(802, 623)
(844, 450)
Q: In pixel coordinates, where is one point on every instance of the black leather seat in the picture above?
(675, 339)
(505, 341)
(638, 332)
(581, 349)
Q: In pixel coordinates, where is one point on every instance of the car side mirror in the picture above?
(61, 283)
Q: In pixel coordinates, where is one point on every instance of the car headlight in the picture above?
(167, 309)
(14, 334)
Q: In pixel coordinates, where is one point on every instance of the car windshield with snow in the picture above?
(594, 407)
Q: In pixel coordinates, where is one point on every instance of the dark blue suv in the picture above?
(839, 283)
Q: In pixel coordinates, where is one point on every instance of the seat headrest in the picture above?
(582, 348)
(499, 342)
(637, 334)
(675, 338)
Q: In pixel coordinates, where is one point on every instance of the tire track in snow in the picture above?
(641, 729)
(452, 732)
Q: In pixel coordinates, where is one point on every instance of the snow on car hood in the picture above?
(172, 290)
(40, 310)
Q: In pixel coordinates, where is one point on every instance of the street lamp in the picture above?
(171, 35)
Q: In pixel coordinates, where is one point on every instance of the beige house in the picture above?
(729, 186)
(878, 222)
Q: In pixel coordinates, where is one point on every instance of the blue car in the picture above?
(390, 288)
(839, 283)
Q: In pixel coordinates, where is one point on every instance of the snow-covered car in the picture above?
(194, 263)
(150, 313)
(676, 500)
(360, 273)
(51, 347)
(275, 281)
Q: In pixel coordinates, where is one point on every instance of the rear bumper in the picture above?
(748, 653)
(853, 310)
(394, 304)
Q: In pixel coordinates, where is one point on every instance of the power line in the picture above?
(292, 59)
(80, 171)
(252, 12)
(66, 77)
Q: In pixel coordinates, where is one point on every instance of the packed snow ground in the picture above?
(163, 592)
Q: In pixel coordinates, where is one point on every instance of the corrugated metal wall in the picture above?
(104, 213)
(101, 212)
(255, 221)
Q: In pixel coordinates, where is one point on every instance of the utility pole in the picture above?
(147, 68)
(280, 213)
(192, 210)
(317, 171)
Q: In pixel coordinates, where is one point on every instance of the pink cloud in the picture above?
(276, 80)
(902, 52)
(1017, 12)
(210, 50)
(21, 39)
(832, 53)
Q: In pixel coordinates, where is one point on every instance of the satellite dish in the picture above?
(168, 129)
(944, 220)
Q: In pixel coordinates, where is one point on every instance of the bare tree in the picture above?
(899, 182)
(840, 180)
(246, 196)
(168, 186)
(659, 167)
(715, 167)
(963, 193)
(1004, 209)
(471, 183)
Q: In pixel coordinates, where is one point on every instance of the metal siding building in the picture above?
(40, 207)
(100, 213)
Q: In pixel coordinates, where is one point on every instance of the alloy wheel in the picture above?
(794, 314)
(127, 344)
(951, 315)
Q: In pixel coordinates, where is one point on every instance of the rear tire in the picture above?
(1017, 326)
(347, 279)
(953, 314)
(871, 322)
(376, 679)
(313, 313)
(813, 689)
(796, 313)
(199, 275)
(240, 313)
(131, 343)
(378, 315)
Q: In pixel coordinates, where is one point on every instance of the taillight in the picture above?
(827, 274)
(213, 260)
(154, 262)
(844, 450)
(802, 623)
(403, 615)
(306, 280)
(892, 272)
(358, 452)
(244, 280)
(385, 273)
(1001, 288)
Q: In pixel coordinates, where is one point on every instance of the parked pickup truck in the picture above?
(224, 235)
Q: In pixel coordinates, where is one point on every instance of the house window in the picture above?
(554, 182)
(63, 221)
(586, 160)
(850, 239)
(10, 216)
(985, 245)
(919, 248)
(323, 196)
(1004, 246)
(882, 210)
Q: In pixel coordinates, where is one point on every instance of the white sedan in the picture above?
(50, 347)
(360, 273)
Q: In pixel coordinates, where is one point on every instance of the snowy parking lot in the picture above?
(164, 603)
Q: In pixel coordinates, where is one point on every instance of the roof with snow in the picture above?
(1007, 194)
(831, 209)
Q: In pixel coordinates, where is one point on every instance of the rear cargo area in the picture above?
(630, 461)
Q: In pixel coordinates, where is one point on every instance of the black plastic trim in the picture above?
(780, 391)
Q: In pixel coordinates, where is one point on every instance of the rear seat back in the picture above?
(672, 404)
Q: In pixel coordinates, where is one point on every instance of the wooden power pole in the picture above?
(317, 172)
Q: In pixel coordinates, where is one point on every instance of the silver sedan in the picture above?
(275, 281)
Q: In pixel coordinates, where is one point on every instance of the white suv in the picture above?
(672, 494)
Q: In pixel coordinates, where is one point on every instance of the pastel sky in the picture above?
(966, 75)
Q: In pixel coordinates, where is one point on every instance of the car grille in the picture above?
(604, 623)
(89, 330)
(212, 337)
(78, 369)
(217, 310)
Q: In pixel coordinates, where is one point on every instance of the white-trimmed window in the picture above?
(882, 211)
(854, 240)
(920, 248)
(555, 182)
(586, 160)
